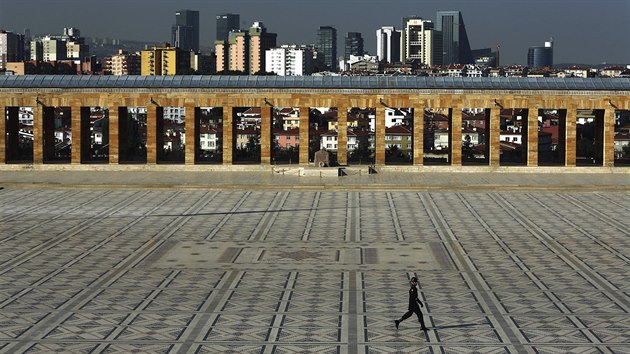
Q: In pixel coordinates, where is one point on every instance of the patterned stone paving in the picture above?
(146, 271)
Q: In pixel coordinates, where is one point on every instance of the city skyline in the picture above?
(515, 25)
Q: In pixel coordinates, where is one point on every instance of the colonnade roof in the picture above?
(311, 82)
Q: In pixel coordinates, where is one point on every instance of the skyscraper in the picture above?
(327, 46)
(225, 24)
(421, 42)
(455, 45)
(354, 45)
(540, 57)
(388, 44)
(185, 31)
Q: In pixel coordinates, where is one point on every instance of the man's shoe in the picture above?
(397, 323)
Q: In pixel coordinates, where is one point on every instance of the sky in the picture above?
(584, 31)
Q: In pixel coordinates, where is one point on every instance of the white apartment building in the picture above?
(289, 60)
(388, 44)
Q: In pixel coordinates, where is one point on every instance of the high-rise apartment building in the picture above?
(327, 46)
(222, 51)
(354, 45)
(421, 42)
(259, 41)
(225, 24)
(388, 44)
(289, 60)
(123, 63)
(245, 50)
(164, 61)
(11, 48)
(455, 45)
(540, 57)
(238, 50)
(185, 31)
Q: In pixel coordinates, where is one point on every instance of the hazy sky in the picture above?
(584, 31)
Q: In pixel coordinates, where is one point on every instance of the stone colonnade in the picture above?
(77, 100)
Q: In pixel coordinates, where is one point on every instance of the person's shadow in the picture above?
(464, 325)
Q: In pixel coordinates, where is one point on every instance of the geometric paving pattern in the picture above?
(192, 271)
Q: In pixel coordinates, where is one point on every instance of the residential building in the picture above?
(225, 24)
(421, 42)
(259, 42)
(353, 45)
(397, 116)
(53, 48)
(11, 48)
(36, 50)
(77, 50)
(245, 51)
(164, 60)
(455, 45)
(540, 57)
(364, 63)
(388, 44)
(185, 31)
(486, 57)
(123, 63)
(203, 63)
(327, 46)
(286, 139)
(577, 71)
(612, 71)
(238, 51)
(221, 50)
(399, 136)
(289, 60)
(516, 70)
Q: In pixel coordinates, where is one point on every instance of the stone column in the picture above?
(114, 112)
(304, 135)
(532, 136)
(152, 117)
(3, 134)
(379, 148)
(456, 136)
(570, 147)
(495, 137)
(609, 137)
(38, 134)
(75, 118)
(342, 135)
(265, 135)
(191, 133)
(418, 135)
(228, 135)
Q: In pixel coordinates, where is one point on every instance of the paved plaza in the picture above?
(102, 270)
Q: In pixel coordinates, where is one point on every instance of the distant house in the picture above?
(286, 139)
(209, 138)
(243, 136)
(622, 139)
(399, 136)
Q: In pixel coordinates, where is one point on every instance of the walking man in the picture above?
(413, 305)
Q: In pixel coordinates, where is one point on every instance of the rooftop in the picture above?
(350, 82)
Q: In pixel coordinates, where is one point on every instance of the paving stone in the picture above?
(105, 270)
